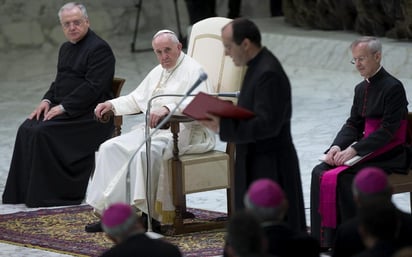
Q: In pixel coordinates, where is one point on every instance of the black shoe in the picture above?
(326, 251)
(94, 227)
(156, 226)
(188, 215)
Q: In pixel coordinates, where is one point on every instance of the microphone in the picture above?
(202, 77)
(228, 94)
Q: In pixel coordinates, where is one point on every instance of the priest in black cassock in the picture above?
(264, 145)
(375, 130)
(54, 150)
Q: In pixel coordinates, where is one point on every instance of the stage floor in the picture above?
(317, 63)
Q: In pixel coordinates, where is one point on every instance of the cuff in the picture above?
(335, 146)
(112, 107)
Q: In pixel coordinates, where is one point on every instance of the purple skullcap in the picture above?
(265, 193)
(118, 219)
(371, 180)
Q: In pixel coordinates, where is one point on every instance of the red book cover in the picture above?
(203, 103)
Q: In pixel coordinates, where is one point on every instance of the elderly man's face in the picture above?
(75, 26)
(366, 62)
(167, 51)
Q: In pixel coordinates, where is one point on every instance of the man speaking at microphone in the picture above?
(177, 73)
(264, 145)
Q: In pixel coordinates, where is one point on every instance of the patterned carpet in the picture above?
(62, 230)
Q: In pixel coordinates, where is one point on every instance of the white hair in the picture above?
(70, 6)
(170, 33)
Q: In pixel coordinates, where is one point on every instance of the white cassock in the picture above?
(108, 184)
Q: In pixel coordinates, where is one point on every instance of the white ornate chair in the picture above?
(215, 169)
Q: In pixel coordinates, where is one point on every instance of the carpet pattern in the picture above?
(62, 230)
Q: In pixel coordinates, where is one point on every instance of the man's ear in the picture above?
(180, 46)
(246, 43)
(378, 56)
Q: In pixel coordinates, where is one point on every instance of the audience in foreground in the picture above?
(370, 187)
(379, 226)
(125, 228)
(245, 237)
(266, 199)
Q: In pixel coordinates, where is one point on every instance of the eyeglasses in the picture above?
(358, 59)
(75, 23)
(361, 58)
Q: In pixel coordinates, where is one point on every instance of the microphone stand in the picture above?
(149, 152)
(147, 141)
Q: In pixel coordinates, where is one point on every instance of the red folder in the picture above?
(203, 103)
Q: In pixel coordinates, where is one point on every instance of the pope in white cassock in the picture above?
(175, 74)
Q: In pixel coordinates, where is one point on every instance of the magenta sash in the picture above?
(328, 180)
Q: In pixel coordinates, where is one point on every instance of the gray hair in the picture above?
(122, 230)
(172, 36)
(374, 45)
(265, 213)
(70, 6)
(385, 195)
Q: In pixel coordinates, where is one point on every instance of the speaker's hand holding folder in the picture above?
(204, 103)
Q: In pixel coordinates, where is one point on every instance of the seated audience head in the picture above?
(245, 236)
(267, 200)
(371, 185)
(120, 221)
(167, 48)
(378, 222)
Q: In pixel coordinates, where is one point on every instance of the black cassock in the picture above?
(143, 246)
(52, 160)
(264, 145)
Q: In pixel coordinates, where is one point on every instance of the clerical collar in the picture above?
(261, 50)
(368, 79)
(85, 35)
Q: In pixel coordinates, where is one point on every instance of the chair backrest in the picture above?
(117, 120)
(205, 46)
(117, 86)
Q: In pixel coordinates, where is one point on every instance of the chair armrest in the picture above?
(105, 117)
(180, 118)
(175, 121)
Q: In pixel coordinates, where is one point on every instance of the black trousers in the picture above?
(346, 208)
